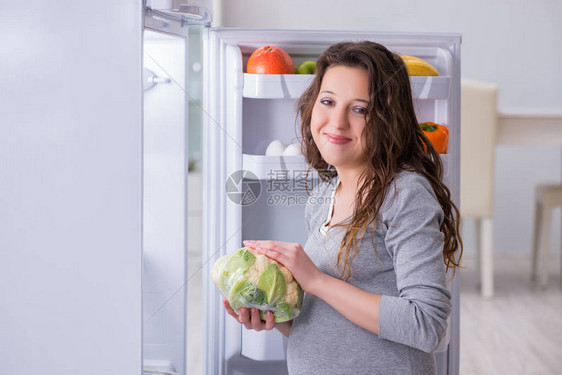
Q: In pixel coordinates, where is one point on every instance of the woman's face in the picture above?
(338, 116)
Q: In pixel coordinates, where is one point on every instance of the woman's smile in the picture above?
(336, 139)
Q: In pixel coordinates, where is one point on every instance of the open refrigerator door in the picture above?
(171, 259)
(249, 195)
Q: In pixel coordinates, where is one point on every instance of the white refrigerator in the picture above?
(253, 196)
(104, 118)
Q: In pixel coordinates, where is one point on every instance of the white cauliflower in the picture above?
(293, 290)
(288, 275)
(254, 272)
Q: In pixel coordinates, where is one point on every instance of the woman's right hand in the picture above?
(251, 318)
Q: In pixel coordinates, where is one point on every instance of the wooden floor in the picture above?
(519, 331)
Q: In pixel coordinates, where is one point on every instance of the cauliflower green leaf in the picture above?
(272, 282)
(244, 293)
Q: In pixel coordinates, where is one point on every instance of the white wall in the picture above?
(513, 43)
(520, 39)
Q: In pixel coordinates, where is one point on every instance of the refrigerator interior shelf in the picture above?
(275, 86)
(294, 167)
(291, 86)
(447, 166)
(277, 167)
(430, 87)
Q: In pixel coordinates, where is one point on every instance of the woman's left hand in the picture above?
(294, 258)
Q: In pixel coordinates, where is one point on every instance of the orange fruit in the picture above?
(270, 60)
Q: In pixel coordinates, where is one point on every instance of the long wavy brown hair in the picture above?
(394, 143)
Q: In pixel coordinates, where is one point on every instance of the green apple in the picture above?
(306, 67)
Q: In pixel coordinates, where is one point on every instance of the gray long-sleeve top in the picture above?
(410, 277)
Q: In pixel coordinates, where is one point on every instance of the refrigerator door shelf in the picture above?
(155, 366)
(277, 167)
(291, 86)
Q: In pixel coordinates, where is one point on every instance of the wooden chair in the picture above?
(478, 140)
(547, 197)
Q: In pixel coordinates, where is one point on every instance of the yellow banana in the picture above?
(418, 67)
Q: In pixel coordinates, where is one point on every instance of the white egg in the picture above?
(292, 149)
(275, 148)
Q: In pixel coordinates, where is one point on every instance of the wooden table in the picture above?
(529, 129)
